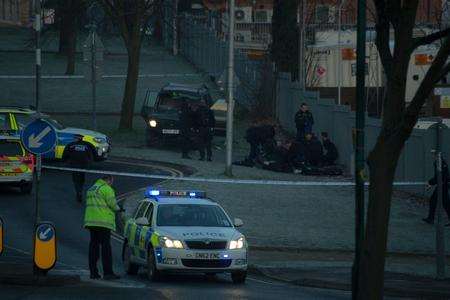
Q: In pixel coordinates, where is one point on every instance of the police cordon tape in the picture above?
(223, 180)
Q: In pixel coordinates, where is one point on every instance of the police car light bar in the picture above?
(152, 193)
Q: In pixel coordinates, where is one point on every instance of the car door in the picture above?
(149, 103)
(134, 230)
(146, 232)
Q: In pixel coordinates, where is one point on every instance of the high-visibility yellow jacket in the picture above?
(101, 206)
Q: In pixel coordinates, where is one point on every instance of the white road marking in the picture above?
(264, 282)
(168, 169)
(58, 262)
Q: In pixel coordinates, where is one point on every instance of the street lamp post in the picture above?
(230, 92)
(339, 77)
(440, 241)
(360, 152)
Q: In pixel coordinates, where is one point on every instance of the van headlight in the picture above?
(237, 244)
(167, 242)
(152, 123)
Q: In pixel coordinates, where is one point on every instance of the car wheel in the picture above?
(130, 268)
(26, 188)
(239, 277)
(152, 272)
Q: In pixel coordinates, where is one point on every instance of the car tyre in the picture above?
(153, 273)
(239, 277)
(26, 188)
(130, 268)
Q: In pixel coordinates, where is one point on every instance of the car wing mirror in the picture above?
(238, 222)
(142, 221)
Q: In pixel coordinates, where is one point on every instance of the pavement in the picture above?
(74, 94)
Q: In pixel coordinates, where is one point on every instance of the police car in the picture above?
(16, 164)
(182, 231)
(16, 119)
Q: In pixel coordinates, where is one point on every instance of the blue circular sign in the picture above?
(45, 232)
(39, 137)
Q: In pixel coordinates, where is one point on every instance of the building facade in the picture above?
(15, 12)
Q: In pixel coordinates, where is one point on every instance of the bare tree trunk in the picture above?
(382, 164)
(71, 50)
(129, 97)
(68, 32)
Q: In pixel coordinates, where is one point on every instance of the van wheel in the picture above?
(130, 268)
(26, 188)
(153, 273)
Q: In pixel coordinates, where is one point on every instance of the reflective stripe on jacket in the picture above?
(101, 206)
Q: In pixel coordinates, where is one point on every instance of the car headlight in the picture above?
(237, 244)
(99, 140)
(166, 242)
(152, 123)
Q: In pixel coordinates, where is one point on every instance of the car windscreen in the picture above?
(25, 119)
(8, 148)
(173, 100)
(191, 215)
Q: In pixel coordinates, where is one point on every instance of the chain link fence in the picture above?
(202, 38)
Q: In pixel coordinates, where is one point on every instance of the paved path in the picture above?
(157, 66)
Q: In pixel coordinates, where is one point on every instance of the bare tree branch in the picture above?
(431, 38)
(383, 36)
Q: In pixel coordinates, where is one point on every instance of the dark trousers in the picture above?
(433, 205)
(205, 143)
(100, 237)
(300, 134)
(254, 150)
(186, 141)
(78, 179)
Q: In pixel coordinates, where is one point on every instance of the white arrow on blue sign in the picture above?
(39, 137)
(45, 232)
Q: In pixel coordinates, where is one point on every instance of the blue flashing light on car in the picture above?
(151, 192)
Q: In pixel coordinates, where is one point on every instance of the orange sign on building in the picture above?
(348, 54)
(423, 59)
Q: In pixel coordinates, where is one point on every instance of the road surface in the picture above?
(58, 205)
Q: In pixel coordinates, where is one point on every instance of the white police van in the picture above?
(183, 231)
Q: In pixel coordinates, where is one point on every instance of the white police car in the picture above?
(176, 231)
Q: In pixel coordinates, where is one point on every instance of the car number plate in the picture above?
(207, 256)
(171, 131)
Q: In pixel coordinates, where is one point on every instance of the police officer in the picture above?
(186, 124)
(434, 196)
(80, 156)
(100, 219)
(304, 122)
(205, 124)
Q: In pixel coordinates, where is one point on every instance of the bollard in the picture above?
(44, 246)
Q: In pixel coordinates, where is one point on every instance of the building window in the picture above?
(325, 14)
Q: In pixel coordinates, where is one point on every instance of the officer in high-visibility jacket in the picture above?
(100, 219)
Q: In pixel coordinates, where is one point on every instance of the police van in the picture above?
(183, 231)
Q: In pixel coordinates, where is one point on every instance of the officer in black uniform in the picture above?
(79, 155)
(186, 124)
(205, 124)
